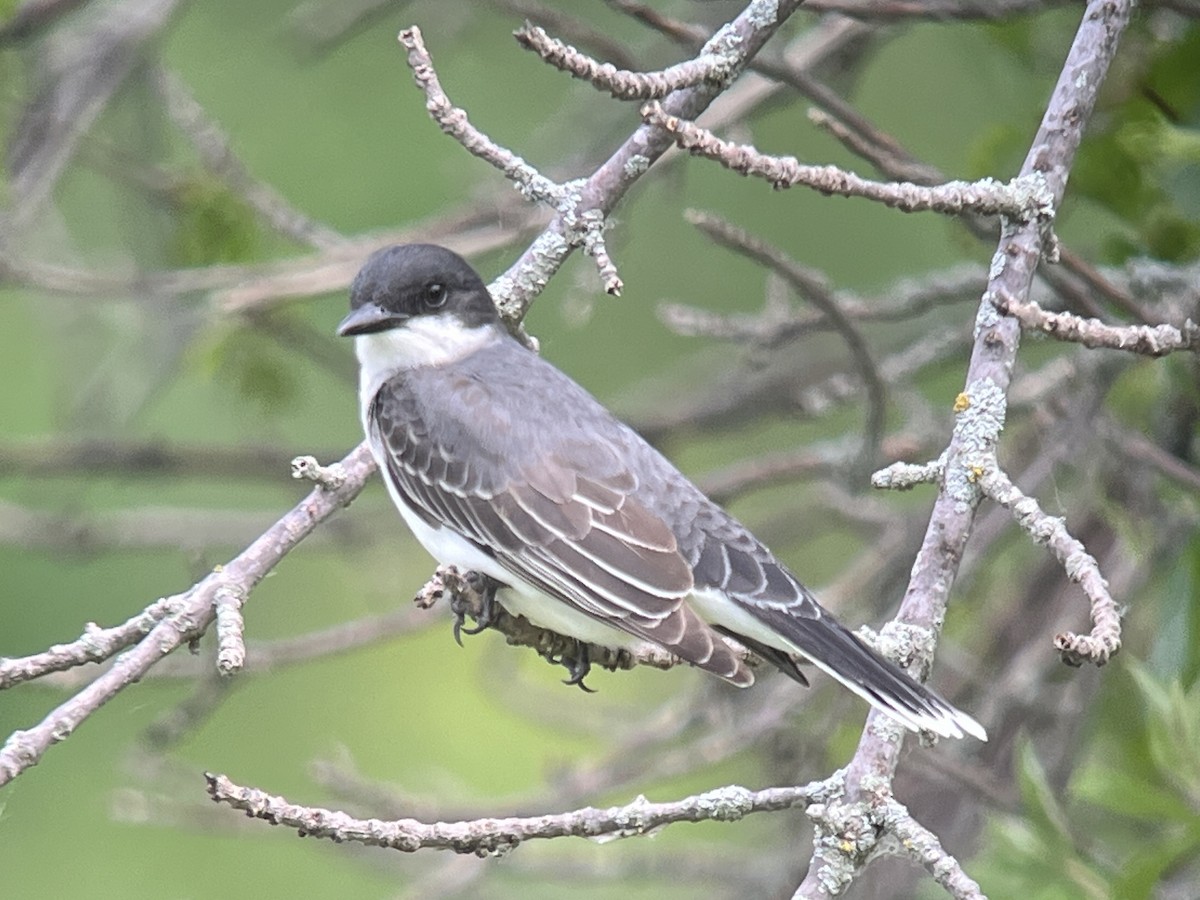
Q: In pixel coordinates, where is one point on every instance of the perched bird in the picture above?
(501, 464)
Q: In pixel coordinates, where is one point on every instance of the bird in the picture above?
(502, 465)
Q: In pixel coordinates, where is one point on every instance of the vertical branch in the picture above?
(997, 339)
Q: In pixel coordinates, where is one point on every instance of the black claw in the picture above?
(578, 666)
(487, 609)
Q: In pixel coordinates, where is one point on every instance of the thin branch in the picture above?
(1104, 640)
(95, 645)
(141, 459)
(466, 597)
(185, 717)
(1147, 340)
(175, 528)
(454, 122)
(495, 837)
(765, 471)
(241, 288)
(231, 629)
(988, 377)
(936, 10)
(795, 74)
(190, 614)
(1023, 199)
(308, 469)
(587, 225)
(217, 155)
(621, 83)
(908, 298)
(816, 291)
(738, 41)
(923, 846)
(902, 476)
(607, 44)
(268, 655)
(886, 154)
(1139, 448)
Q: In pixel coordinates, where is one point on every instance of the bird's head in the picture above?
(413, 305)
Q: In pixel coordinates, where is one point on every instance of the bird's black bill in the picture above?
(368, 319)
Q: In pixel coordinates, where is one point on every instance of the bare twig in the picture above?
(587, 225)
(231, 629)
(815, 290)
(95, 645)
(1141, 449)
(1023, 199)
(608, 45)
(907, 298)
(901, 476)
(936, 10)
(454, 122)
(307, 468)
(988, 376)
(623, 84)
(188, 615)
(495, 837)
(738, 41)
(1148, 340)
(1105, 638)
(215, 152)
(141, 459)
(923, 846)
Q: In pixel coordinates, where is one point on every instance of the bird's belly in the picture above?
(523, 599)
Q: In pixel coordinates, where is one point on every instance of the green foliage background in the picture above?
(344, 136)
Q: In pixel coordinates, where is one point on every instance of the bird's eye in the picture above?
(435, 295)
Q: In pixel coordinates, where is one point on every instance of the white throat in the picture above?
(422, 341)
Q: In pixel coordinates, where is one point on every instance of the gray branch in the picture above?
(495, 837)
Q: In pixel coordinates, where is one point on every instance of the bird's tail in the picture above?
(833, 649)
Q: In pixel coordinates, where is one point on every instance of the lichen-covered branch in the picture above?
(1105, 638)
(989, 374)
(95, 645)
(623, 84)
(737, 42)
(463, 595)
(495, 837)
(1024, 198)
(1147, 340)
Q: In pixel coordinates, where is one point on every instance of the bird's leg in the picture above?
(461, 605)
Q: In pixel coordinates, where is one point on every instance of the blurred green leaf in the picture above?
(257, 369)
(1173, 724)
(1128, 794)
(213, 225)
(1154, 860)
(1176, 649)
(1044, 812)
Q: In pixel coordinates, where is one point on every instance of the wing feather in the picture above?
(581, 538)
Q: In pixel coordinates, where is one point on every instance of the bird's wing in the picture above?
(581, 538)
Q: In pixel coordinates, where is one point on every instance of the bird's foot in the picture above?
(462, 605)
(578, 664)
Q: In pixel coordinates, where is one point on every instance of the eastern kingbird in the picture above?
(501, 464)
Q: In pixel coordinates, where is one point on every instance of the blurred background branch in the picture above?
(189, 189)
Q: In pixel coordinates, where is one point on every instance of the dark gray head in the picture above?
(399, 283)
